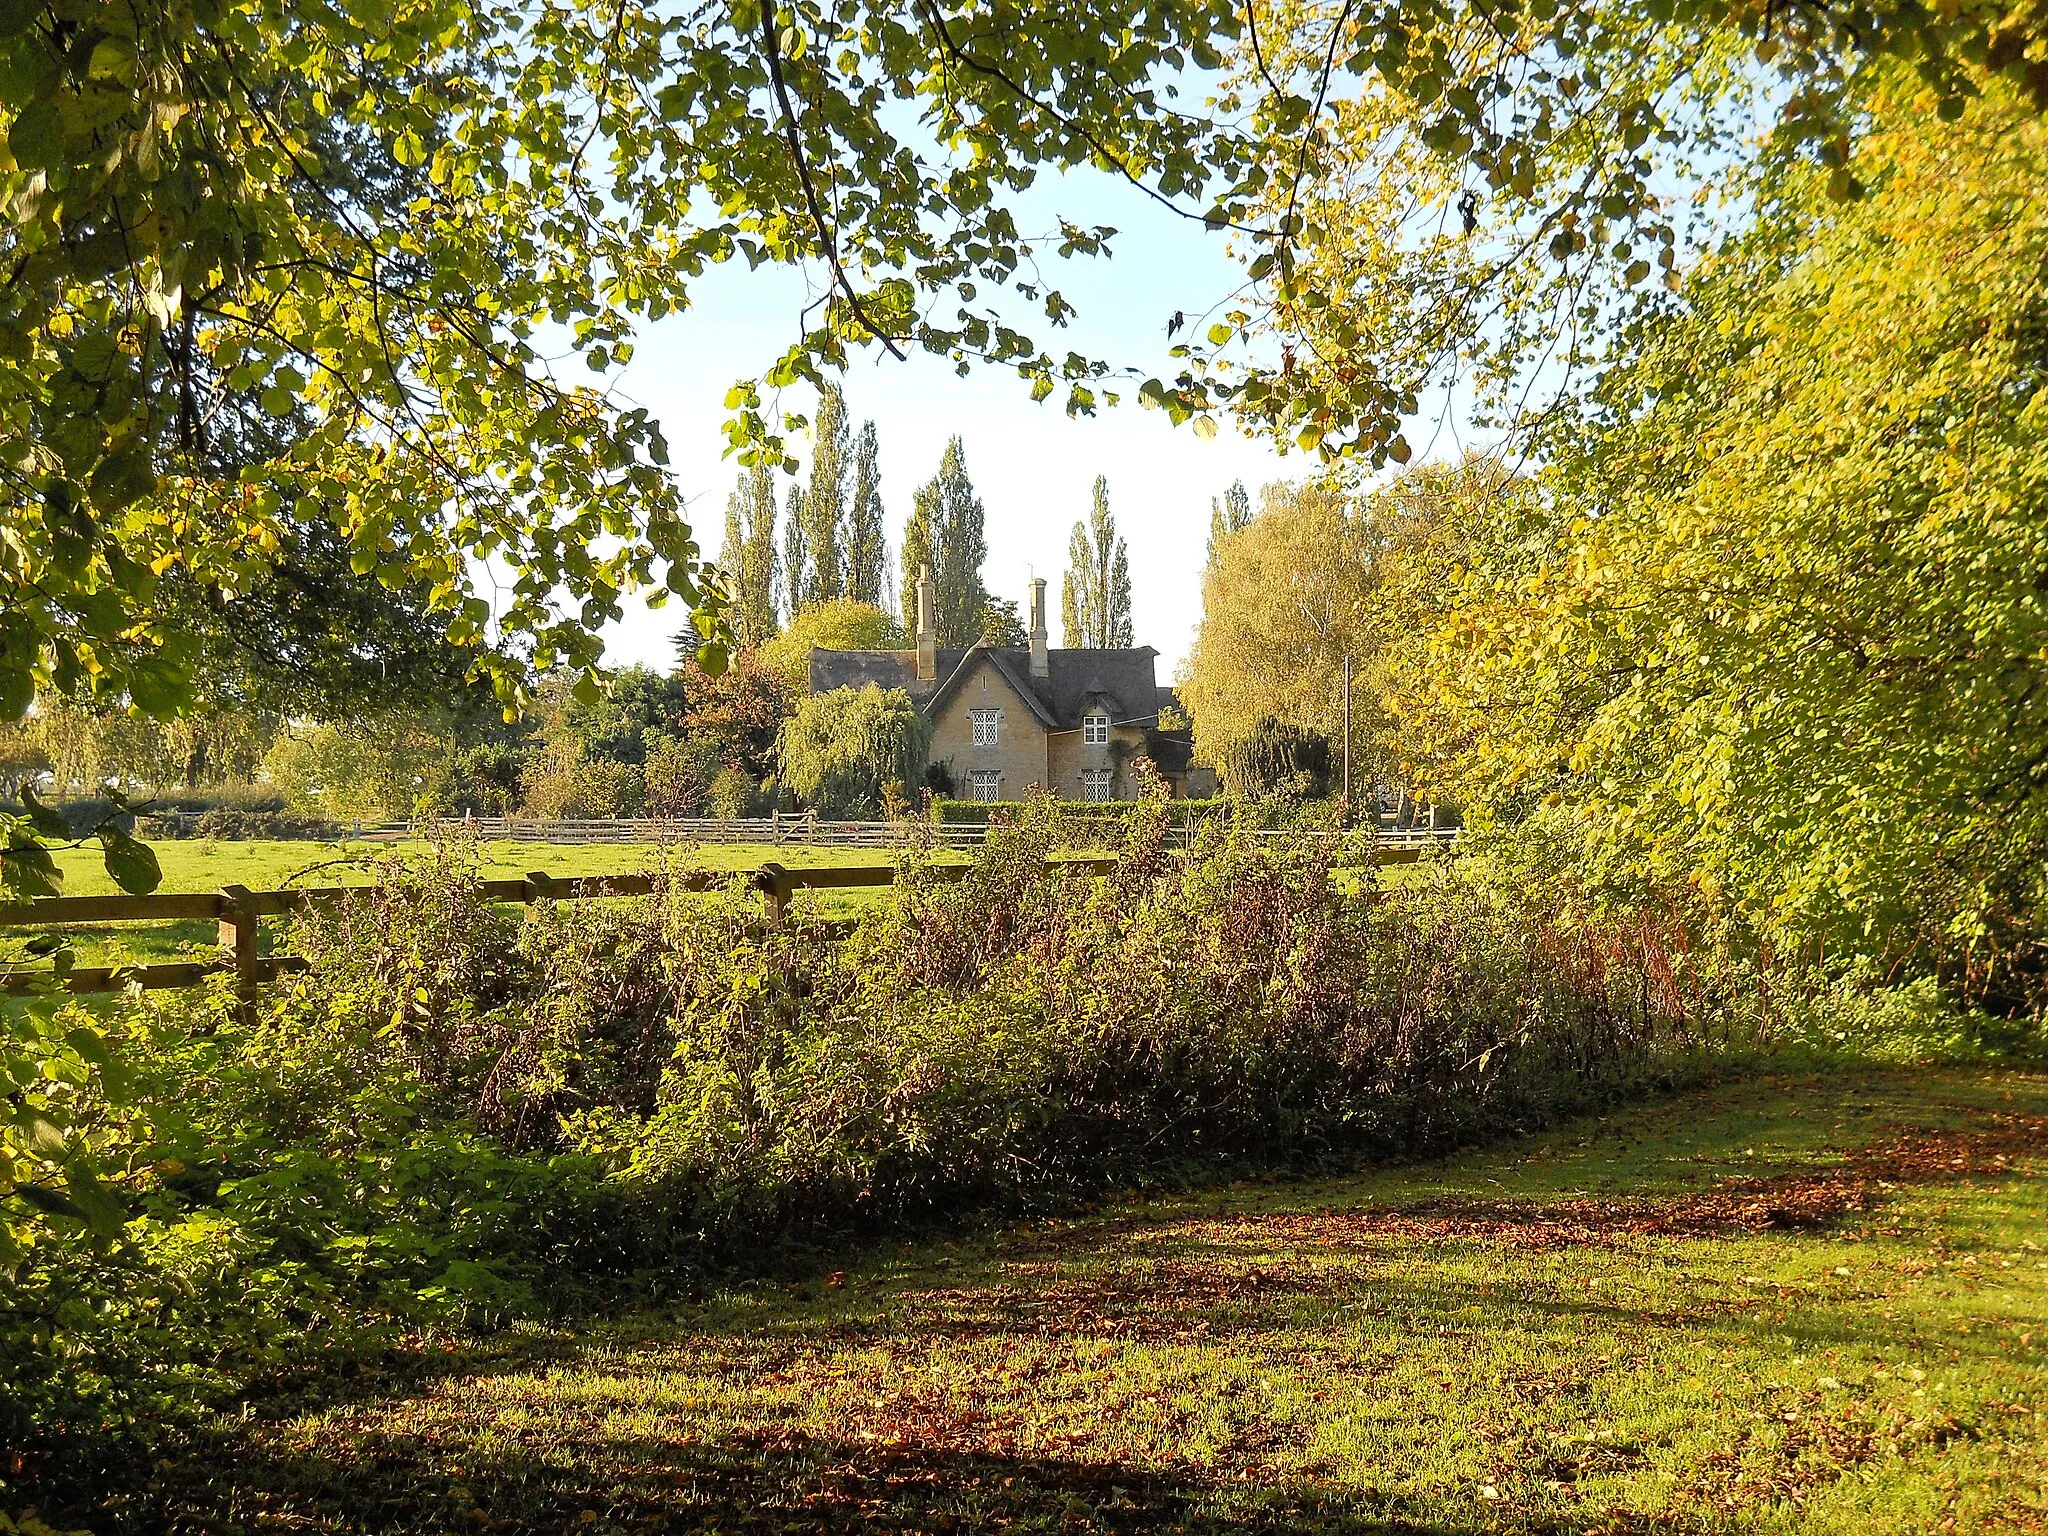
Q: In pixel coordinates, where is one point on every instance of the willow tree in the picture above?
(841, 750)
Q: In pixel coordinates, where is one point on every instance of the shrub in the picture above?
(1278, 757)
(602, 787)
(733, 795)
(680, 774)
(840, 748)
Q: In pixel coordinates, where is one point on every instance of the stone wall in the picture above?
(1019, 754)
(1068, 757)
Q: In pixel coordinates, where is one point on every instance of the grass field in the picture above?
(201, 864)
(1784, 1306)
(198, 864)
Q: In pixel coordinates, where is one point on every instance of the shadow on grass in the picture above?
(678, 1422)
(751, 1484)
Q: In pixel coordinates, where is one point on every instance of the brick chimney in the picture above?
(1040, 666)
(927, 632)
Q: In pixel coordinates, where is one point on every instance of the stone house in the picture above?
(1007, 719)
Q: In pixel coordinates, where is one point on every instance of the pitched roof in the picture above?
(1123, 680)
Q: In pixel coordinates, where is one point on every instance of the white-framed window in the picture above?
(981, 785)
(1095, 729)
(1096, 783)
(984, 723)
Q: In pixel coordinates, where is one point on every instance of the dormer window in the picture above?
(1095, 729)
(984, 723)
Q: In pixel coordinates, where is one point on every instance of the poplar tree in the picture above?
(748, 558)
(1095, 598)
(1228, 515)
(823, 576)
(867, 549)
(947, 532)
(796, 550)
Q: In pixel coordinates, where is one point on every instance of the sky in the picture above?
(1033, 466)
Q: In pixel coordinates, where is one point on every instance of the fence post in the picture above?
(776, 888)
(539, 885)
(237, 934)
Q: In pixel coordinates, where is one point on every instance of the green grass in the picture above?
(199, 864)
(1786, 1306)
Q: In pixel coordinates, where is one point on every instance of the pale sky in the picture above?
(1033, 466)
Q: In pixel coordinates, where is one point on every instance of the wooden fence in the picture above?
(802, 829)
(238, 911)
(805, 829)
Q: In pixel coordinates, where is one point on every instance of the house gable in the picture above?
(1015, 759)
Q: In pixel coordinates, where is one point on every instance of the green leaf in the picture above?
(1205, 427)
(104, 1214)
(130, 864)
(28, 869)
(113, 58)
(48, 1201)
(37, 137)
(90, 1045)
(39, 1133)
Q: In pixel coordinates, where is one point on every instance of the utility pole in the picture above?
(1347, 739)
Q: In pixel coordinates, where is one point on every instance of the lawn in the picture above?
(1787, 1305)
(200, 864)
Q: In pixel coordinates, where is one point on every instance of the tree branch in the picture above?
(773, 52)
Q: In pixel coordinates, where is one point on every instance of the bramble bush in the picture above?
(455, 1116)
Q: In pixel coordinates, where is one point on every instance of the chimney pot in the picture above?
(1041, 665)
(927, 632)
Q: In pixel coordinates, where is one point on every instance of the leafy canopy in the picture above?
(403, 226)
(839, 625)
(1777, 630)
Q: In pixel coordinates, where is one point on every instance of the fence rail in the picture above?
(239, 911)
(805, 829)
